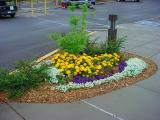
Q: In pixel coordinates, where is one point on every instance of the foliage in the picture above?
(74, 22)
(72, 7)
(94, 48)
(115, 45)
(75, 41)
(112, 46)
(27, 76)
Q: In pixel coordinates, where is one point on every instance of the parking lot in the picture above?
(26, 36)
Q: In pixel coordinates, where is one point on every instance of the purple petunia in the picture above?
(122, 65)
(110, 74)
(80, 79)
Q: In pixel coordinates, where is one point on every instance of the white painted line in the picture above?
(152, 18)
(109, 113)
(99, 29)
(103, 19)
(95, 23)
(51, 21)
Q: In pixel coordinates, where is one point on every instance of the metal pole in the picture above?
(45, 7)
(32, 7)
(16, 2)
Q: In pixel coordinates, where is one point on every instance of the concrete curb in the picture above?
(100, 3)
(47, 55)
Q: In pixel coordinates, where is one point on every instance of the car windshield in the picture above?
(2, 3)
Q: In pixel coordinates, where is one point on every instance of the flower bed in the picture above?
(138, 68)
(82, 71)
(134, 67)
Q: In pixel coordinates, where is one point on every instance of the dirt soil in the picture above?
(46, 94)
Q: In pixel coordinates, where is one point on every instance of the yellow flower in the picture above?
(57, 65)
(68, 72)
(99, 67)
(89, 71)
(77, 70)
(85, 64)
(109, 55)
(61, 70)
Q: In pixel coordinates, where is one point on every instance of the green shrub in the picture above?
(27, 76)
(72, 42)
(92, 47)
(75, 41)
(112, 46)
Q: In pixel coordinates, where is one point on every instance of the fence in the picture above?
(35, 6)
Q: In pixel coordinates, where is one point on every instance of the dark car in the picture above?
(7, 8)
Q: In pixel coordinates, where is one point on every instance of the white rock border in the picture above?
(134, 67)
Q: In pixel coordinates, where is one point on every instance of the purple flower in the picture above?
(122, 65)
(110, 74)
(100, 76)
(122, 50)
(80, 79)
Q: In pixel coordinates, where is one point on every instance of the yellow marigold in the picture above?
(99, 67)
(109, 56)
(68, 72)
(57, 65)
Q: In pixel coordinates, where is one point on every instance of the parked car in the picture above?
(77, 3)
(128, 0)
(7, 8)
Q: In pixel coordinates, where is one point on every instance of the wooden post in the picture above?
(112, 31)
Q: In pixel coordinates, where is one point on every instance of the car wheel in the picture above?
(12, 15)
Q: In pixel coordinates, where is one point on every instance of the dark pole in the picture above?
(112, 31)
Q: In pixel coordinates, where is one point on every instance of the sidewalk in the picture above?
(138, 102)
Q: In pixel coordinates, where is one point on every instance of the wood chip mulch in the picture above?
(44, 94)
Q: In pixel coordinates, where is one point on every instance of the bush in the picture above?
(72, 42)
(27, 76)
(112, 46)
(75, 41)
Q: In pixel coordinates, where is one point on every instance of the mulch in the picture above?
(44, 93)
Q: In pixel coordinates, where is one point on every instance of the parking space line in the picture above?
(51, 21)
(152, 18)
(102, 110)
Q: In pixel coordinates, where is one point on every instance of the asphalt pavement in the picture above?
(136, 102)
